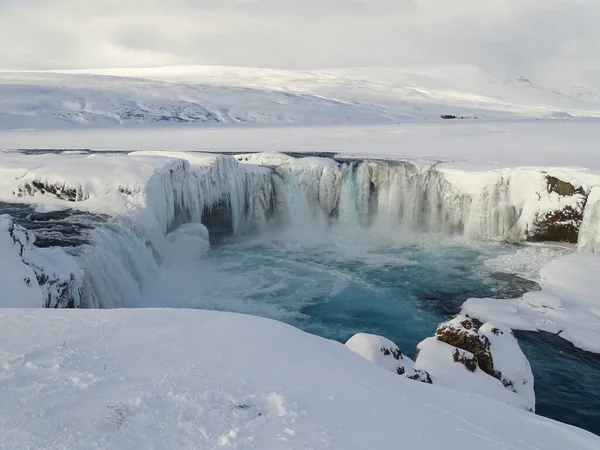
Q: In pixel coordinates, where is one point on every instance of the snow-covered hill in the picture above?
(171, 379)
(212, 95)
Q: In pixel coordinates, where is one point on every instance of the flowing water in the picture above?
(335, 284)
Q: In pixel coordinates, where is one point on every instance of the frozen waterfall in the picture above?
(152, 194)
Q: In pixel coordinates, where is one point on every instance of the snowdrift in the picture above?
(125, 379)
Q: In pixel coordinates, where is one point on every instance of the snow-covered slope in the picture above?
(212, 95)
(130, 379)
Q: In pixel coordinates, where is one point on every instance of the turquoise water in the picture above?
(335, 285)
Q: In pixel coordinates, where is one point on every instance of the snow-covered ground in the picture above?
(130, 379)
(200, 94)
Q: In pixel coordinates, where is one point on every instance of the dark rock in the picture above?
(562, 188)
(462, 333)
(59, 190)
(469, 361)
(421, 375)
(561, 225)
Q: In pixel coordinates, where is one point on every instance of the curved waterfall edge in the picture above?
(246, 194)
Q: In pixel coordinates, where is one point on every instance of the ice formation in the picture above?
(150, 194)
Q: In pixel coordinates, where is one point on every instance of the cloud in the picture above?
(508, 36)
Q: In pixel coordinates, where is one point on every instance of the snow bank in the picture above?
(567, 304)
(125, 379)
(384, 353)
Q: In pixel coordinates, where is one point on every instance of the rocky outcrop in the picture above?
(56, 279)
(464, 354)
(60, 190)
(463, 333)
(489, 352)
(562, 224)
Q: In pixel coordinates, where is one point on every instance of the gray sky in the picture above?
(530, 37)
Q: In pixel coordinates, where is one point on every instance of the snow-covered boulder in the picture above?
(35, 277)
(384, 353)
(465, 342)
(509, 361)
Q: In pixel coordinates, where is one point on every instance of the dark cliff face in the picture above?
(561, 225)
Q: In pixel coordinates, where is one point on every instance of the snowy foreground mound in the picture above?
(130, 379)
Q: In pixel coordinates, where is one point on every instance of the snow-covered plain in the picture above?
(227, 95)
(130, 379)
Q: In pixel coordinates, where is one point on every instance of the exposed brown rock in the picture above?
(470, 362)
(467, 338)
(561, 225)
(562, 188)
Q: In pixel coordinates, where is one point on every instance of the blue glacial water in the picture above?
(335, 285)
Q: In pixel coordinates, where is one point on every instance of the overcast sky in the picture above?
(529, 37)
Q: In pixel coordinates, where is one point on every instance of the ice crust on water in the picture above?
(567, 304)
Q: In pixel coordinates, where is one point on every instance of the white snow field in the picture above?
(201, 94)
(162, 379)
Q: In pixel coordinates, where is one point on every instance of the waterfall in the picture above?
(307, 195)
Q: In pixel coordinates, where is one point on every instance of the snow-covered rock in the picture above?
(35, 277)
(160, 378)
(567, 305)
(384, 353)
(464, 342)
(510, 362)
